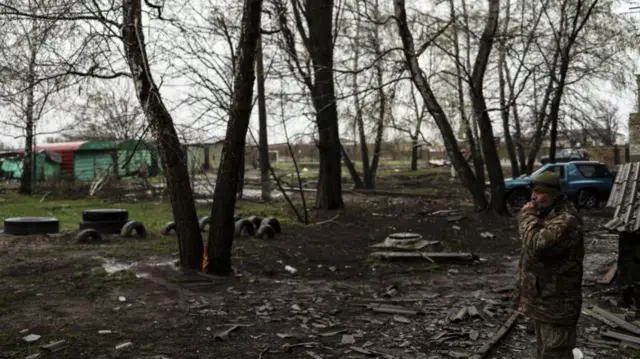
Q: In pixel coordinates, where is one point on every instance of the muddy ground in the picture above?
(96, 297)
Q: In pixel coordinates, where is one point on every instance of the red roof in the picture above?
(61, 146)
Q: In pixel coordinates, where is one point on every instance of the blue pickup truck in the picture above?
(585, 182)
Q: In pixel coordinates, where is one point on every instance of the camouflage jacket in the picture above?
(550, 275)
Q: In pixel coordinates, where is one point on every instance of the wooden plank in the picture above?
(617, 320)
(622, 337)
(435, 256)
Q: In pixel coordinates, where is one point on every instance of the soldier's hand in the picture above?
(529, 205)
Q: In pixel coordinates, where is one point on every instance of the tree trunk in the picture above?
(222, 225)
(370, 177)
(161, 123)
(505, 106)
(241, 171)
(359, 122)
(357, 182)
(28, 162)
(471, 128)
(329, 195)
(414, 153)
(458, 161)
(263, 143)
(489, 148)
(505, 110)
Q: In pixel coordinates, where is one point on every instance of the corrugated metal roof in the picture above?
(60, 146)
(623, 198)
(98, 145)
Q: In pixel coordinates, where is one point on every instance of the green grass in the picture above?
(153, 214)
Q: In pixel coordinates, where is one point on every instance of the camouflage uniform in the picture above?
(550, 275)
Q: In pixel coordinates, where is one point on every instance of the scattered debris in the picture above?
(286, 347)
(347, 339)
(123, 345)
(405, 241)
(474, 334)
(290, 269)
(54, 346)
(391, 309)
(460, 315)
(104, 332)
(313, 355)
(508, 288)
(487, 235)
(434, 256)
(224, 335)
(362, 351)
(473, 311)
(456, 218)
(621, 337)
(617, 320)
(456, 228)
(33, 356)
(31, 338)
(610, 275)
(332, 332)
(486, 348)
(401, 319)
(122, 299)
(24, 331)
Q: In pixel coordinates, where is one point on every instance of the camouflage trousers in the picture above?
(555, 341)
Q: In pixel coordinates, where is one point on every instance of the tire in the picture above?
(110, 227)
(244, 227)
(273, 222)
(24, 226)
(518, 198)
(257, 221)
(88, 235)
(106, 214)
(588, 199)
(168, 228)
(267, 231)
(133, 226)
(204, 222)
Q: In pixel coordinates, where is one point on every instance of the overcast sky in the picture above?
(176, 89)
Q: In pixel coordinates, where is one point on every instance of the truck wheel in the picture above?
(588, 198)
(132, 226)
(104, 215)
(88, 235)
(24, 226)
(204, 222)
(244, 227)
(273, 222)
(168, 228)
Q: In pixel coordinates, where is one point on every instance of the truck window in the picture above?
(557, 169)
(594, 171)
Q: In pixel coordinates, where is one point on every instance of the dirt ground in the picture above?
(96, 297)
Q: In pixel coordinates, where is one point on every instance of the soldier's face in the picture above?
(541, 200)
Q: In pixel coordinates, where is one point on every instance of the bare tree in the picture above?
(263, 144)
(222, 225)
(318, 40)
(435, 109)
(26, 66)
(161, 123)
(110, 113)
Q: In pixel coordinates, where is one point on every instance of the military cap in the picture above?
(549, 180)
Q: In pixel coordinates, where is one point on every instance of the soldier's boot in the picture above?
(555, 341)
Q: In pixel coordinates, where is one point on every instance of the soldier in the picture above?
(550, 276)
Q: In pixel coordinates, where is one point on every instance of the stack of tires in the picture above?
(253, 226)
(96, 222)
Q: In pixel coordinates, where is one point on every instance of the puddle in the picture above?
(111, 266)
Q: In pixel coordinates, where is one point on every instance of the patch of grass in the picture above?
(7, 298)
(153, 214)
(96, 282)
